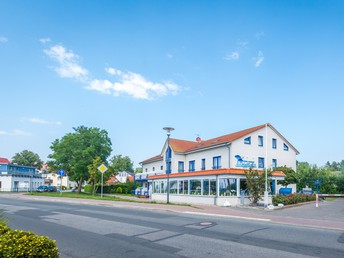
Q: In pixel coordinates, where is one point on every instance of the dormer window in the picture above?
(247, 140)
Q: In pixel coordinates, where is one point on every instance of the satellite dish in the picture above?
(198, 139)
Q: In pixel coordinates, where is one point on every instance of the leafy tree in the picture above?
(255, 181)
(138, 170)
(290, 176)
(75, 151)
(27, 158)
(95, 174)
(119, 163)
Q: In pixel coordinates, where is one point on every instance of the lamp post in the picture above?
(168, 161)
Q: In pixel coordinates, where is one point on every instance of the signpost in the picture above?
(102, 168)
(61, 172)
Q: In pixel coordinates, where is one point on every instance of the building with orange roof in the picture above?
(213, 171)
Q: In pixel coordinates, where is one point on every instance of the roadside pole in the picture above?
(102, 168)
(316, 200)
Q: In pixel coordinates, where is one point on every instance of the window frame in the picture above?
(191, 165)
(247, 140)
(216, 162)
(260, 141)
(274, 143)
(261, 162)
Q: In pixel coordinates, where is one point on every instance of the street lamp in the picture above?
(168, 161)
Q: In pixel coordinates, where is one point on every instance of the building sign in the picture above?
(244, 163)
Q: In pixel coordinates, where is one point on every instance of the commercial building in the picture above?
(213, 171)
(18, 178)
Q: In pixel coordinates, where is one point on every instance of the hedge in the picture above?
(19, 243)
(292, 199)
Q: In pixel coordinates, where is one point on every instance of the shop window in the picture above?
(183, 187)
(173, 186)
(195, 187)
(206, 187)
(212, 187)
(228, 186)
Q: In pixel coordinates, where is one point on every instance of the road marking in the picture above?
(225, 216)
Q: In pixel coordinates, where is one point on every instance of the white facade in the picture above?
(54, 179)
(221, 162)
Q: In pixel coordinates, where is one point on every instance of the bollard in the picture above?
(316, 201)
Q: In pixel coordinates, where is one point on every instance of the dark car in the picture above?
(52, 188)
(42, 188)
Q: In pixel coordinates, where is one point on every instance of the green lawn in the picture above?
(96, 197)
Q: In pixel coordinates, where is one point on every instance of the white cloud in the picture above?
(169, 56)
(36, 120)
(232, 56)
(15, 132)
(260, 34)
(134, 85)
(45, 40)
(68, 66)
(3, 39)
(259, 59)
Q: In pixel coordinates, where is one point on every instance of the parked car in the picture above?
(42, 188)
(52, 188)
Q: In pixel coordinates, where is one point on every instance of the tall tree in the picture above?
(75, 151)
(119, 163)
(27, 158)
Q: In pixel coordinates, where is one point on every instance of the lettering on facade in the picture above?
(244, 163)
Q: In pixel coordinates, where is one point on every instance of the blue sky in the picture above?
(206, 68)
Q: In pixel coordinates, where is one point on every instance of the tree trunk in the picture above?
(79, 185)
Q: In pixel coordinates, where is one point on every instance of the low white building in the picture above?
(54, 179)
(213, 171)
(15, 178)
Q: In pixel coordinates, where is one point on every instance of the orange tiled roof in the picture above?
(4, 161)
(222, 171)
(186, 146)
(155, 158)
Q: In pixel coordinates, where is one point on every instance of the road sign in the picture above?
(61, 172)
(102, 168)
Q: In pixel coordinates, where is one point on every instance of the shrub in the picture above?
(292, 199)
(88, 188)
(119, 190)
(18, 243)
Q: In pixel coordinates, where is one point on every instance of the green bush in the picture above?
(88, 188)
(292, 199)
(119, 190)
(19, 243)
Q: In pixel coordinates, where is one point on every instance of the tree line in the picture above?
(82, 151)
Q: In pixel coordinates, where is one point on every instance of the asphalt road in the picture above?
(98, 231)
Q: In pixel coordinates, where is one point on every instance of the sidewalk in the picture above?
(329, 215)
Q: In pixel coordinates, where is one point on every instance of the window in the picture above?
(228, 186)
(195, 187)
(261, 162)
(146, 169)
(191, 165)
(212, 187)
(274, 163)
(285, 147)
(203, 164)
(206, 186)
(247, 140)
(152, 169)
(274, 143)
(180, 166)
(260, 141)
(217, 162)
(183, 187)
(162, 168)
(173, 186)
